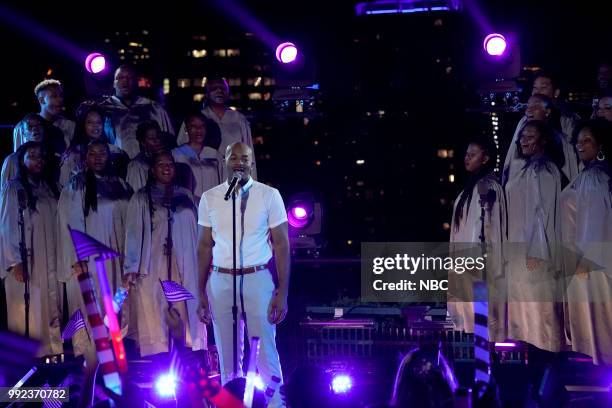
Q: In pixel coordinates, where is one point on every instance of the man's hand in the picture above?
(17, 272)
(534, 264)
(80, 268)
(129, 280)
(204, 310)
(277, 310)
(582, 271)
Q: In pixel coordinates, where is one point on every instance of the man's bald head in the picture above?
(239, 158)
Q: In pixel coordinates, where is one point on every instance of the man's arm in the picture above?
(205, 244)
(278, 305)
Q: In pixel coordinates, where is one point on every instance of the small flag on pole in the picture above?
(75, 324)
(174, 292)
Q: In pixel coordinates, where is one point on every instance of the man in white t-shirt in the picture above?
(261, 229)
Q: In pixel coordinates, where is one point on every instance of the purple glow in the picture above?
(298, 216)
(165, 386)
(286, 52)
(495, 44)
(342, 384)
(95, 63)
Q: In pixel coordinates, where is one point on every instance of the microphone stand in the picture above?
(234, 305)
(168, 251)
(23, 251)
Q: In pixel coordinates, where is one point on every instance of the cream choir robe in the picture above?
(144, 255)
(106, 225)
(122, 121)
(40, 236)
(199, 171)
(514, 163)
(587, 229)
(468, 231)
(138, 172)
(534, 231)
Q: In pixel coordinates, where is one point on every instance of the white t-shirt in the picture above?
(258, 209)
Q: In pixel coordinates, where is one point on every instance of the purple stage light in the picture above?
(298, 216)
(286, 52)
(95, 63)
(165, 386)
(495, 44)
(342, 383)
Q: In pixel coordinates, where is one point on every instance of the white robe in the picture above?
(10, 166)
(586, 206)
(201, 170)
(234, 128)
(144, 255)
(106, 225)
(40, 232)
(122, 121)
(534, 231)
(137, 172)
(468, 231)
(514, 163)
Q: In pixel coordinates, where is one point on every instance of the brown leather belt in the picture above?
(243, 271)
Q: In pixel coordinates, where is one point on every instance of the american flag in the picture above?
(75, 324)
(51, 402)
(174, 292)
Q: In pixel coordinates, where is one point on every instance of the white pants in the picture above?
(258, 289)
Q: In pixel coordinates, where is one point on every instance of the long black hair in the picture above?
(80, 138)
(601, 129)
(22, 173)
(91, 185)
(487, 168)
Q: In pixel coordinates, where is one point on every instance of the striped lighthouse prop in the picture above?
(482, 356)
(110, 364)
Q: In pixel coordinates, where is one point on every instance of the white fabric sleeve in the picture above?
(203, 214)
(276, 210)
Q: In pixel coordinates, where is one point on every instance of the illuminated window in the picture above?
(220, 53)
(134, 44)
(198, 97)
(360, 161)
(255, 96)
(233, 52)
(269, 81)
(266, 96)
(183, 83)
(121, 51)
(199, 53)
(234, 81)
(451, 178)
(166, 86)
(257, 81)
(199, 37)
(446, 153)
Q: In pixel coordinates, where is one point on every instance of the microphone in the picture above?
(487, 195)
(236, 177)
